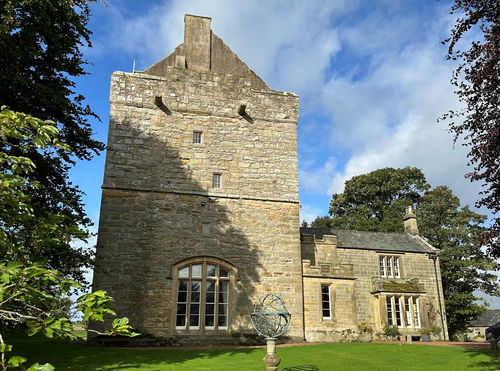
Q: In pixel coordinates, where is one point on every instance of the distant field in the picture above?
(325, 357)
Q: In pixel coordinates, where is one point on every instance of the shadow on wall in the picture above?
(145, 227)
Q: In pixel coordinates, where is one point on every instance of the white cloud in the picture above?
(289, 44)
(318, 180)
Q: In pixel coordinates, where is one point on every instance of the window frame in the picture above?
(389, 266)
(197, 135)
(204, 279)
(328, 301)
(397, 311)
(216, 180)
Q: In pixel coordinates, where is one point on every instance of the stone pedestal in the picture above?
(271, 359)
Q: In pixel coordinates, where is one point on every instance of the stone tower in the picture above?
(200, 210)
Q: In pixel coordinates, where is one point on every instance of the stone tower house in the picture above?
(200, 209)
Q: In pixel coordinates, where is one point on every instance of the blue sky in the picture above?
(371, 75)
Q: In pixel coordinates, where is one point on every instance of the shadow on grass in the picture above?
(302, 368)
(493, 358)
(81, 357)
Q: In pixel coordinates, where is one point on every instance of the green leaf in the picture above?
(44, 367)
(16, 361)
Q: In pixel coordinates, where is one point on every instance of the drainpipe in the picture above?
(303, 304)
(433, 257)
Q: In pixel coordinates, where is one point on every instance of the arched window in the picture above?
(202, 296)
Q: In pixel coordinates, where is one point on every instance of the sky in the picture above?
(372, 78)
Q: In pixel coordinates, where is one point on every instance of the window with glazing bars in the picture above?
(389, 266)
(325, 302)
(403, 311)
(202, 297)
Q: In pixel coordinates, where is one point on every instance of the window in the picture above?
(389, 266)
(325, 302)
(216, 180)
(197, 137)
(403, 311)
(202, 297)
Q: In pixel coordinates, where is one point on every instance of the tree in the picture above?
(477, 83)
(30, 293)
(40, 42)
(465, 268)
(376, 202)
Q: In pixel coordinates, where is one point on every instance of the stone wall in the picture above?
(357, 293)
(159, 207)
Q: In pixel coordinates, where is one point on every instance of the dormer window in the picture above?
(389, 266)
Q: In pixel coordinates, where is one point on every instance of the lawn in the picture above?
(343, 356)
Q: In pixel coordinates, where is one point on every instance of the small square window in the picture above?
(216, 181)
(197, 137)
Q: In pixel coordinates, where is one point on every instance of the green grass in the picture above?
(343, 356)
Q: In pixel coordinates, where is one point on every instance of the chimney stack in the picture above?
(410, 221)
(197, 42)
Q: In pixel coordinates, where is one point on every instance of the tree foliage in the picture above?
(40, 42)
(477, 83)
(465, 268)
(376, 202)
(30, 293)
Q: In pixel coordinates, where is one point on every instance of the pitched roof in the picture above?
(203, 50)
(398, 242)
(488, 318)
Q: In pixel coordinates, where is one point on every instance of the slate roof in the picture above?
(401, 242)
(489, 318)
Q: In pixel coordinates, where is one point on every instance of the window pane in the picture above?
(209, 321)
(223, 272)
(416, 314)
(197, 137)
(211, 270)
(194, 309)
(407, 309)
(194, 321)
(390, 320)
(389, 266)
(222, 321)
(180, 320)
(195, 297)
(397, 306)
(216, 181)
(325, 301)
(181, 308)
(223, 291)
(210, 298)
(196, 270)
(181, 298)
(396, 267)
(183, 285)
(210, 286)
(222, 297)
(210, 309)
(222, 309)
(382, 266)
(184, 272)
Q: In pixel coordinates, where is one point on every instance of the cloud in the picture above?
(289, 44)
